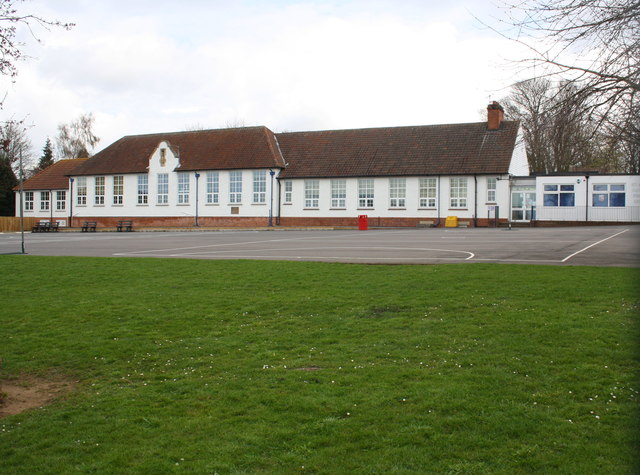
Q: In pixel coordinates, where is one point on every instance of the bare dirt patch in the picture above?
(27, 392)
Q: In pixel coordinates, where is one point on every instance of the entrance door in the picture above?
(523, 205)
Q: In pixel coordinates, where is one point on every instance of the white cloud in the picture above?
(284, 64)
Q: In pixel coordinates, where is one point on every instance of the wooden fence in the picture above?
(11, 224)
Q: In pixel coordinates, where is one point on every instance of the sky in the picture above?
(149, 66)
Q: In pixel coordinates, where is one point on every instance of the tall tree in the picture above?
(592, 48)
(46, 159)
(8, 181)
(558, 135)
(15, 145)
(76, 139)
(594, 44)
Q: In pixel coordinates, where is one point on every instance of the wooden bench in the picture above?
(124, 225)
(41, 227)
(89, 226)
(45, 227)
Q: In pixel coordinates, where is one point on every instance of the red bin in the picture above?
(363, 222)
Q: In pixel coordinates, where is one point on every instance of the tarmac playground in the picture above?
(594, 245)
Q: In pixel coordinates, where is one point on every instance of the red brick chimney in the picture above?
(495, 116)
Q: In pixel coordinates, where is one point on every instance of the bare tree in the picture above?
(558, 135)
(15, 145)
(76, 139)
(602, 36)
(11, 50)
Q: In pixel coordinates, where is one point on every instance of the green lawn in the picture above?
(277, 367)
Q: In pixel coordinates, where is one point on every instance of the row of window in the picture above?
(45, 200)
(428, 188)
(259, 194)
(604, 195)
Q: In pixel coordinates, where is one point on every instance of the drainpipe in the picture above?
(438, 204)
(509, 210)
(279, 201)
(197, 177)
(271, 173)
(51, 206)
(71, 202)
(586, 208)
(475, 201)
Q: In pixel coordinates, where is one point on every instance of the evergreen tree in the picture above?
(7, 181)
(47, 157)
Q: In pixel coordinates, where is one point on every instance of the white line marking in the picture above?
(591, 245)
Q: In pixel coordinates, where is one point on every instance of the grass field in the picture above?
(276, 367)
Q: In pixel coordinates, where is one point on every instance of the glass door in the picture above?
(523, 205)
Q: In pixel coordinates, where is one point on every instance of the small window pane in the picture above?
(617, 199)
(551, 200)
(567, 199)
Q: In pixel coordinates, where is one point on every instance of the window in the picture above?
(44, 200)
(61, 200)
(559, 195)
(28, 200)
(338, 193)
(311, 193)
(609, 195)
(183, 188)
(163, 188)
(492, 185)
(365, 193)
(143, 189)
(118, 189)
(397, 192)
(458, 192)
(428, 191)
(213, 187)
(163, 157)
(99, 190)
(82, 191)
(288, 192)
(260, 186)
(235, 187)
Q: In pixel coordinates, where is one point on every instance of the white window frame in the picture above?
(118, 189)
(428, 189)
(602, 195)
(61, 200)
(213, 188)
(163, 189)
(312, 194)
(143, 189)
(492, 186)
(183, 188)
(45, 201)
(458, 189)
(339, 194)
(259, 186)
(28, 200)
(366, 193)
(397, 193)
(81, 185)
(235, 187)
(562, 192)
(99, 184)
(288, 192)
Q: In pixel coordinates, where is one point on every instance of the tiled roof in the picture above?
(53, 177)
(399, 151)
(221, 149)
